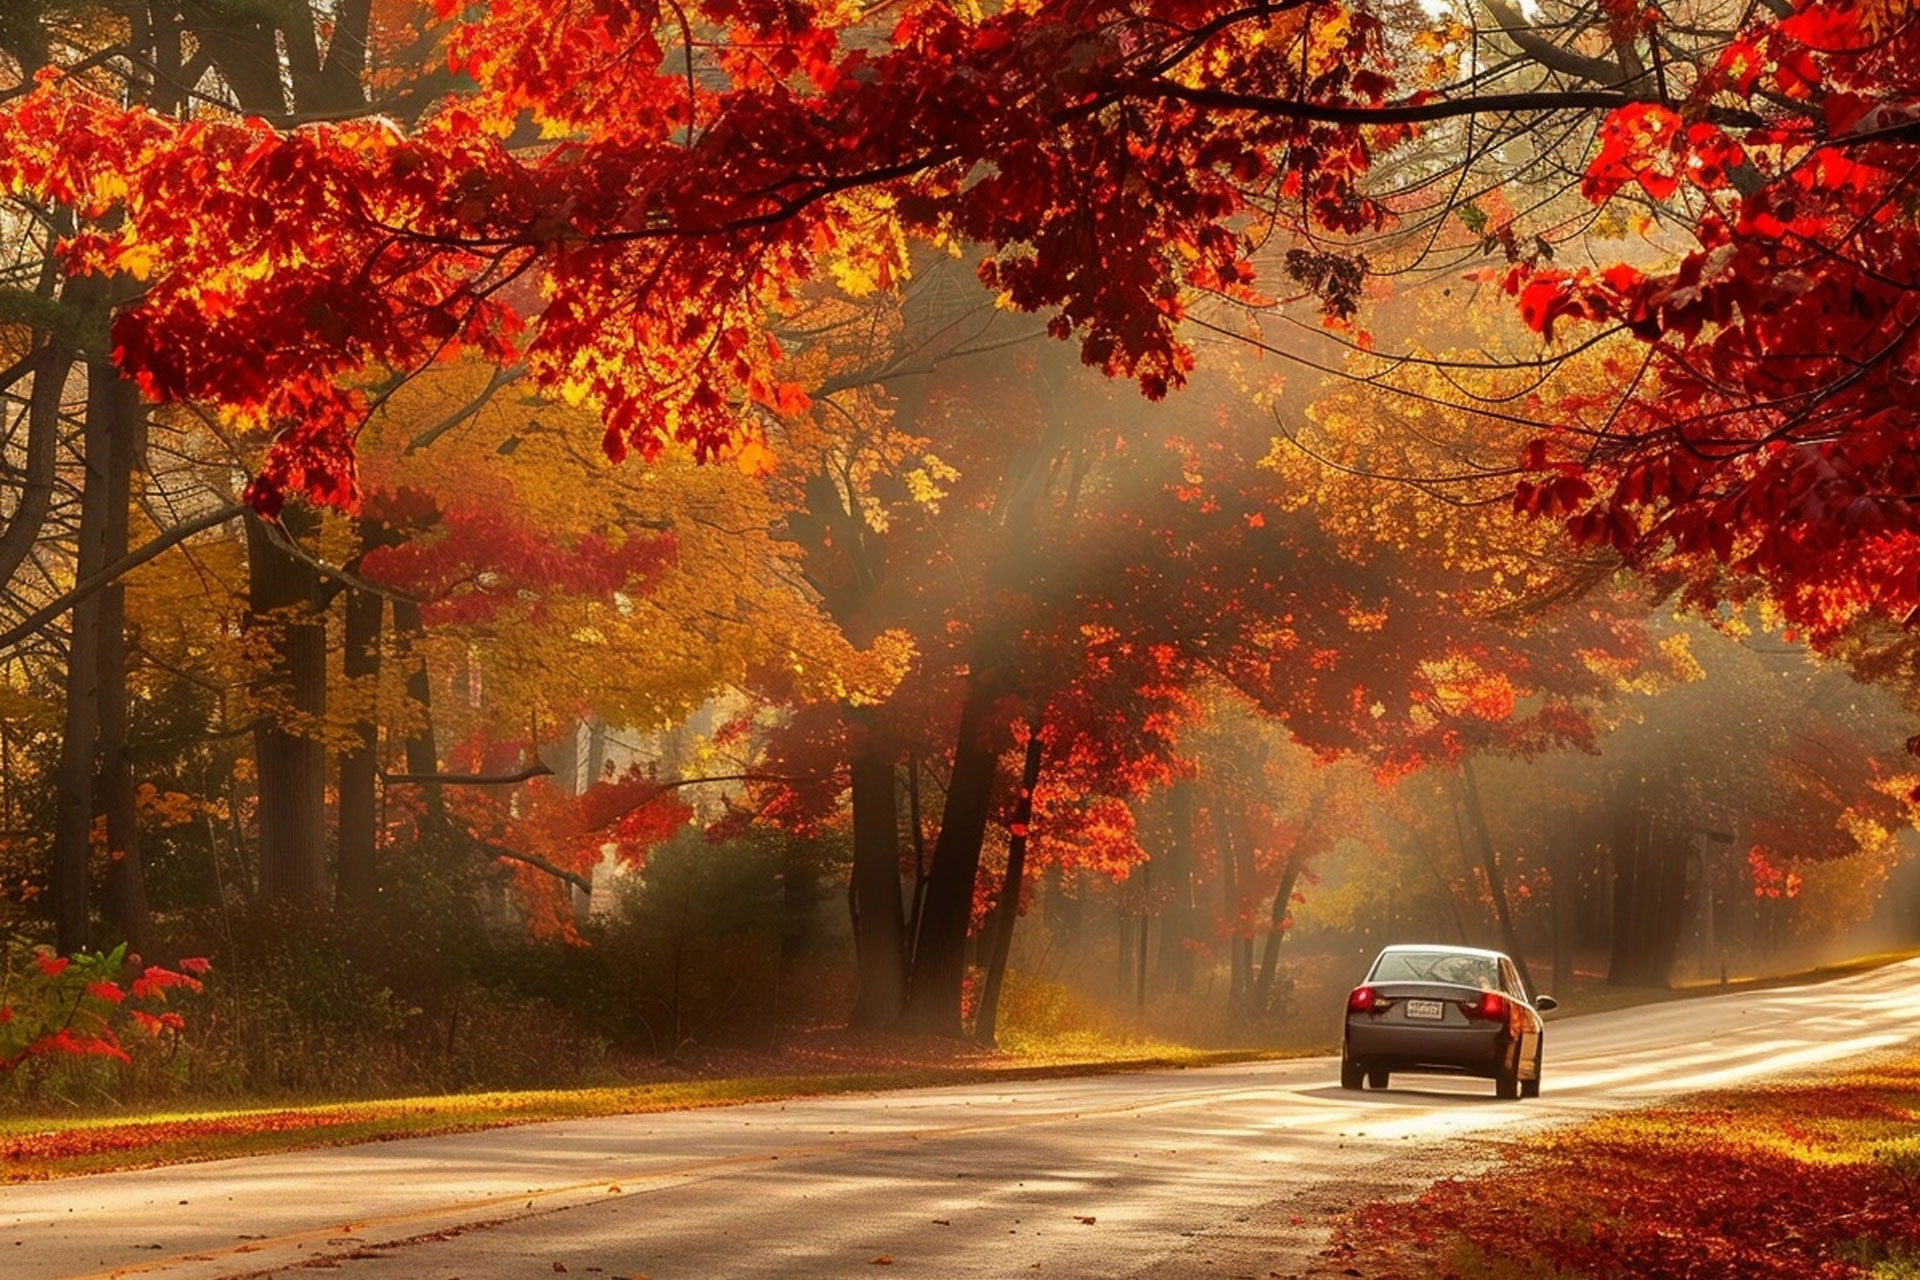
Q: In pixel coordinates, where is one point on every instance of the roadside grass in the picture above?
(38, 1148)
(1808, 1181)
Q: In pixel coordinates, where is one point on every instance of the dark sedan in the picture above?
(1451, 1010)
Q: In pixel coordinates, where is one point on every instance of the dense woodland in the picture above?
(666, 524)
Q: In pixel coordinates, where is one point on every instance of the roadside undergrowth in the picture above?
(1807, 1181)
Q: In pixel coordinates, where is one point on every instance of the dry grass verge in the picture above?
(828, 1062)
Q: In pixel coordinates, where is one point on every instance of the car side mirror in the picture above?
(1544, 1003)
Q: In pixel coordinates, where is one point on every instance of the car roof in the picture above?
(1448, 947)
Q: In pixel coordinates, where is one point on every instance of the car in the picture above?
(1444, 1009)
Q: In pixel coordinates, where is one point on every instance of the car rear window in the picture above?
(1436, 966)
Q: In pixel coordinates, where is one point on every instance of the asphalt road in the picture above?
(1222, 1172)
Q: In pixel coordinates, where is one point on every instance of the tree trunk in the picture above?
(1672, 851)
(126, 887)
(283, 603)
(879, 931)
(423, 755)
(1561, 833)
(1649, 895)
(596, 771)
(1424, 847)
(1180, 912)
(359, 763)
(1490, 863)
(917, 837)
(74, 798)
(1626, 867)
(1276, 929)
(1236, 865)
(986, 1022)
(1140, 949)
(940, 951)
(27, 523)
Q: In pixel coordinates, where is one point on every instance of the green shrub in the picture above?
(692, 952)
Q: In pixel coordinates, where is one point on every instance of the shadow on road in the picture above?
(1395, 1095)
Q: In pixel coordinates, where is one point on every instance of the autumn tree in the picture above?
(1117, 165)
(563, 587)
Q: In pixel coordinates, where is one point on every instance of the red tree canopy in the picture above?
(1775, 430)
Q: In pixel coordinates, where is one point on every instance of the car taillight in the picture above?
(1362, 1000)
(1492, 1006)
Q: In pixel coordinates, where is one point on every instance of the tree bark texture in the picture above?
(1236, 863)
(1179, 916)
(74, 802)
(126, 887)
(283, 605)
(356, 881)
(28, 520)
(1007, 913)
(1276, 929)
(940, 952)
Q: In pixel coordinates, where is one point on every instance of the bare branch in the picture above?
(535, 770)
(81, 590)
(1548, 54)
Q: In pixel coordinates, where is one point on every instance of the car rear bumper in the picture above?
(1395, 1046)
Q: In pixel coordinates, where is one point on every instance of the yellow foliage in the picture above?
(1452, 424)
(724, 605)
(874, 255)
(22, 710)
(157, 808)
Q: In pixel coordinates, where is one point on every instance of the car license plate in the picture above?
(1431, 1009)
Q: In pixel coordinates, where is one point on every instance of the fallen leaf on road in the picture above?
(614, 1189)
(884, 1260)
(560, 1266)
(1086, 1222)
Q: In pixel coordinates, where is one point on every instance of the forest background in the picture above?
(529, 547)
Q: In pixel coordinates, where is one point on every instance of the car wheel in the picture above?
(1377, 1078)
(1506, 1080)
(1350, 1073)
(1531, 1088)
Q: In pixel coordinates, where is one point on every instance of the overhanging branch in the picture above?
(538, 863)
(46, 613)
(535, 770)
(1388, 113)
